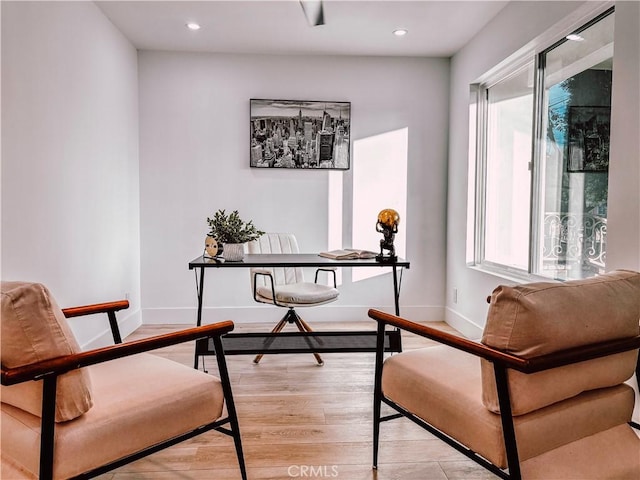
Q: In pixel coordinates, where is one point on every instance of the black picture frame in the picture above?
(300, 134)
(588, 145)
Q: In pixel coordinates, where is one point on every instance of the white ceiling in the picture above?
(352, 27)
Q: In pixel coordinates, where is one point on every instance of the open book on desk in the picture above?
(348, 254)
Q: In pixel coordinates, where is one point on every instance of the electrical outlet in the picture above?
(455, 295)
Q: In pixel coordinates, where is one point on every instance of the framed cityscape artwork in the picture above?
(300, 134)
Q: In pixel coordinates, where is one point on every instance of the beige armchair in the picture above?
(68, 413)
(543, 395)
(286, 286)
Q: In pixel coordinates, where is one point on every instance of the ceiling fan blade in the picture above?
(314, 12)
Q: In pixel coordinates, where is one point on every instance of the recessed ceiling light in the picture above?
(400, 32)
(193, 26)
(575, 37)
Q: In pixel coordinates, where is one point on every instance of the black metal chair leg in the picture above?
(229, 402)
(377, 391)
(508, 429)
(115, 330)
(47, 430)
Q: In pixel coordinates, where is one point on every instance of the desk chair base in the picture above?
(292, 317)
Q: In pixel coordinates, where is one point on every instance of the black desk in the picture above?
(297, 342)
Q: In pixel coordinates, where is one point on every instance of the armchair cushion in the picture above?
(546, 317)
(139, 400)
(443, 385)
(300, 293)
(612, 454)
(26, 341)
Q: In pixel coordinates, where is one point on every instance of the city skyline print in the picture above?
(301, 134)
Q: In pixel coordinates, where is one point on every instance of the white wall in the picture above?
(70, 203)
(514, 27)
(623, 234)
(70, 211)
(194, 159)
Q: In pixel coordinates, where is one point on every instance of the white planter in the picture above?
(233, 252)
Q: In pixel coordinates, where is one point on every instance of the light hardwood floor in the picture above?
(300, 420)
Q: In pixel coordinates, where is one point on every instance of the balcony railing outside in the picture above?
(575, 245)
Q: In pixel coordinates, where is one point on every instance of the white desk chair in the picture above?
(285, 286)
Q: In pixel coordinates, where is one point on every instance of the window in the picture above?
(541, 159)
(507, 174)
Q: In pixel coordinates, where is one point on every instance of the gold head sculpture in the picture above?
(388, 220)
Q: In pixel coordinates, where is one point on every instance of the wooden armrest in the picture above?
(445, 338)
(60, 365)
(95, 308)
(525, 365)
(110, 308)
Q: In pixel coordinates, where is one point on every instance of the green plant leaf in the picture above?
(230, 228)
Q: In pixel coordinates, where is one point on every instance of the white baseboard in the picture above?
(126, 325)
(464, 325)
(265, 313)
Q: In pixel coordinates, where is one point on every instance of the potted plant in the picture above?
(232, 232)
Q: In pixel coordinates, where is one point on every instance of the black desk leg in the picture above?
(200, 294)
(396, 298)
(396, 292)
(199, 316)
